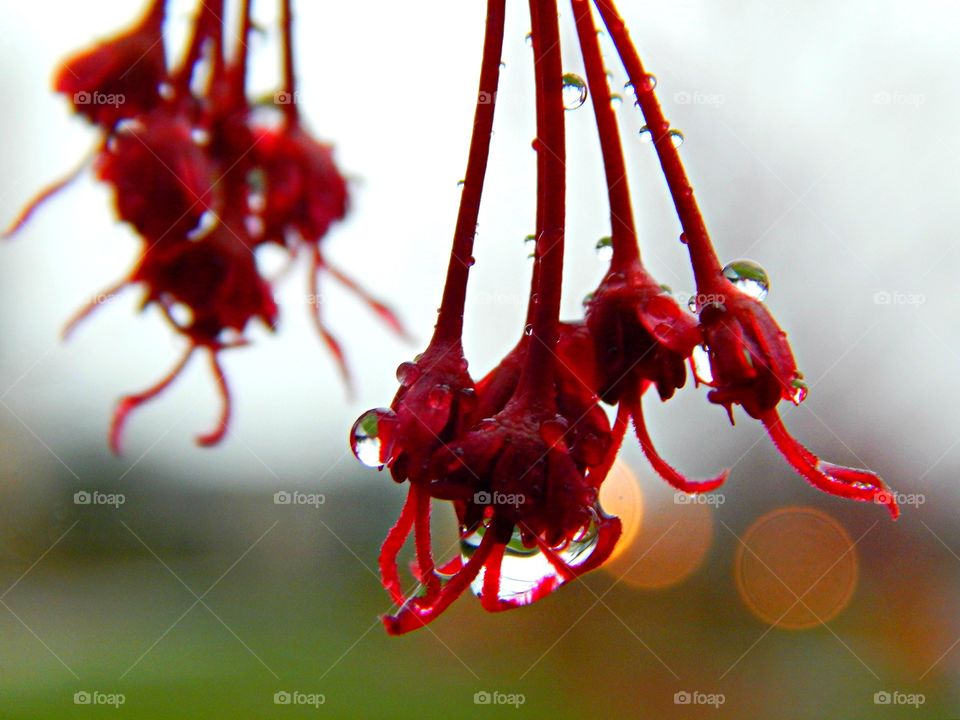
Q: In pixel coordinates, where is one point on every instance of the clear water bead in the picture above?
(524, 570)
(366, 438)
(749, 277)
(574, 91)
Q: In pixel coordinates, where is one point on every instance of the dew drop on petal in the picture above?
(701, 365)
(799, 391)
(749, 277)
(574, 91)
(605, 248)
(368, 435)
(525, 573)
(440, 398)
(407, 373)
(552, 432)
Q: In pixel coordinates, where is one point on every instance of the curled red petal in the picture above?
(490, 596)
(316, 264)
(389, 573)
(216, 435)
(664, 469)
(417, 612)
(422, 543)
(92, 305)
(598, 473)
(131, 402)
(852, 483)
(48, 192)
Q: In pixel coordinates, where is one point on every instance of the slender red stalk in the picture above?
(623, 231)
(449, 326)
(290, 110)
(706, 267)
(537, 378)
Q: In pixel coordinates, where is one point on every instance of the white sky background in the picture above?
(795, 162)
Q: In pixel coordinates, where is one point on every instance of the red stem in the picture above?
(449, 326)
(623, 231)
(290, 110)
(706, 267)
(537, 378)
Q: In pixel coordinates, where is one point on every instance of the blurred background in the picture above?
(821, 139)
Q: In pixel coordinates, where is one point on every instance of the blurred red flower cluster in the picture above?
(206, 178)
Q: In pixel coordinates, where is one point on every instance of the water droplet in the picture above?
(528, 330)
(200, 136)
(440, 398)
(530, 238)
(645, 134)
(181, 314)
(471, 261)
(605, 248)
(749, 277)
(574, 91)
(683, 238)
(525, 572)
(407, 373)
(588, 298)
(648, 83)
(372, 437)
(616, 99)
(676, 137)
(552, 432)
(799, 391)
(529, 39)
(460, 183)
(701, 365)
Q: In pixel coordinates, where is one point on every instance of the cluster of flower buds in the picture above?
(206, 177)
(522, 453)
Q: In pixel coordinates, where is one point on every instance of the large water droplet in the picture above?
(605, 248)
(749, 277)
(574, 91)
(407, 373)
(371, 437)
(526, 573)
(440, 398)
(799, 391)
(701, 365)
